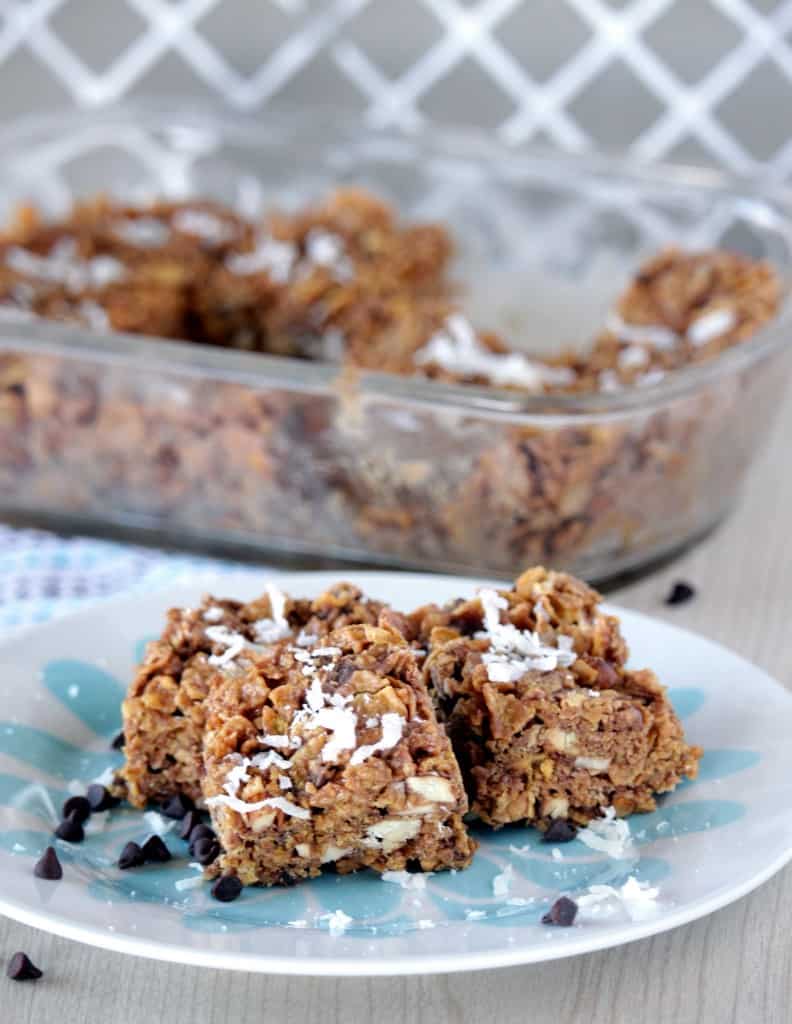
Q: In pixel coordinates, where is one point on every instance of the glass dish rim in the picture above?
(196, 359)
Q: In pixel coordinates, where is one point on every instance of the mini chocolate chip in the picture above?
(559, 831)
(100, 798)
(190, 821)
(205, 850)
(48, 866)
(70, 829)
(22, 968)
(78, 806)
(680, 593)
(118, 741)
(177, 806)
(131, 857)
(155, 851)
(200, 832)
(226, 888)
(562, 912)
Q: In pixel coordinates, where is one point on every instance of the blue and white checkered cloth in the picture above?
(43, 575)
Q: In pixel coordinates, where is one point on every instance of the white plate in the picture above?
(709, 843)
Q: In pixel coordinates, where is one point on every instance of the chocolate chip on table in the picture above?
(190, 821)
(177, 806)
(48, 866)
(205, 850)
(70, 829)
(680, 593)
(226, 888)
(200, 832)
(131, 857)
(562, 912)
(560, 831)
(118, 741)
(22, 968)
(155, 851)
(78, 806)
(100, 798)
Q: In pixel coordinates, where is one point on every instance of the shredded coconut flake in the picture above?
(106, 777)
(314, 696)
(327, 250)
(406, 879)
(457, 349)
(710, 326)
(609, 835)
(63, 265)
(158, 824)
(638, 900)
(392, 725)
(337, 922)
(213, 614)
(513, 651)
(501, 884)
(268, 759)
(342, 722)
(234, 643)
(269, 256)
(281, 742)
(146, 232)
(202, 224)
(633, 356)
(279, 803)
(235, 776)
(193, 882)
(269, 631)
(521, 851)
(647, 334)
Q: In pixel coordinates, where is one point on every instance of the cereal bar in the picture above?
(545, 719)
(163, 713)
(330, 754)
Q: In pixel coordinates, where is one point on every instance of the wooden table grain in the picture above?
(733, 967)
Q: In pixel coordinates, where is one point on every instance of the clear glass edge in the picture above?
(261, 371)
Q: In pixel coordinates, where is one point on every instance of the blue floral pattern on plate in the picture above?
(538, 871)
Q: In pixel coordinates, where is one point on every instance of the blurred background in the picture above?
(701, 81)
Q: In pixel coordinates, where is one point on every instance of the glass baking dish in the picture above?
(233, 450)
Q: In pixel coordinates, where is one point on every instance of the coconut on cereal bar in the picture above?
(545, 719)
(163, 713)
(330, 754)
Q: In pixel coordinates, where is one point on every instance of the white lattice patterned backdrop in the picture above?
(700, 80)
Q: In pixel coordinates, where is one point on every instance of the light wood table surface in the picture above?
(734, 967)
